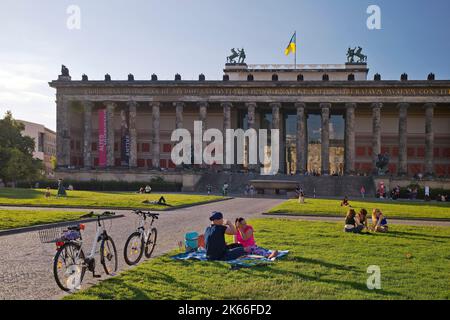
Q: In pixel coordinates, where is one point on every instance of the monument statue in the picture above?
(64, 71)
(239, 54)
(382, 164)
(356, 52)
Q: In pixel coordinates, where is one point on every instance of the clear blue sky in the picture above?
(195, 36)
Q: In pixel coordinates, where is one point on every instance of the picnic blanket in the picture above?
(246, 261)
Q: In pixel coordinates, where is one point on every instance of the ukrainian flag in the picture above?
(292, 46)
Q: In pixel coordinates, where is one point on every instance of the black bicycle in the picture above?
(141, 241)
(70, 263)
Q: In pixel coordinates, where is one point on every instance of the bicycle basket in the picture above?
(50, 235)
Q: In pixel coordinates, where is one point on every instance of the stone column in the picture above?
(325, 151)
(349, 164)
(429, 139)
(301, 143)
(132, 111)
(202, 116)
(277, 125)
(226, 125)
(179, 114)
(62, 131)
(87, 133)
(155, 134)
(110, 159)
(376, 133)
(403, 139)
(251, 110)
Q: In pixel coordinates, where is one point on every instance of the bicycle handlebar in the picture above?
(148, 213)
(103, 214)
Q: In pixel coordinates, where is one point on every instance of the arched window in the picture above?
(351, 77)
(300, 77)
(250, 77)
(274, 77)
(325, 77)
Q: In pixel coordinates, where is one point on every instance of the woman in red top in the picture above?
(245, 237)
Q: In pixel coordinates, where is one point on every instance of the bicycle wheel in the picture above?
(151, 243)
(68, 266)
(108, 255)
(134, 248)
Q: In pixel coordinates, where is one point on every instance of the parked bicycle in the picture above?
(70, 263)
(141, 241)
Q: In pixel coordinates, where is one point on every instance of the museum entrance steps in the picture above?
(320, 186)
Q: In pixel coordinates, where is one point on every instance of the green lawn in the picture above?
(324, 263)
(392, 209)
(10, 219)
(36, 197)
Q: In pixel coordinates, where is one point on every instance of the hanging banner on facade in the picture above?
(125, 138)
(102, 138)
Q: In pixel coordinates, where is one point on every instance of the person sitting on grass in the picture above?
(148, 189)
(345, 202)
(361, 218)
(245, 237)
(352, 224)
(216, 248)
(379, 221)
(47, 193)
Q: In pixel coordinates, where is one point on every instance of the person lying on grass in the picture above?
(355, 222)
(216, 248)
(379, 221)
(245, 237)
(161, 202)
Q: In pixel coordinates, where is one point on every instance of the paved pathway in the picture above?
(26, 264)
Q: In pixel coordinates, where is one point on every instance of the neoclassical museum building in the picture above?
(333, 120)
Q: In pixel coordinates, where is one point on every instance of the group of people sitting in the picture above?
(244, 240)
(146, 189)
(357, 222)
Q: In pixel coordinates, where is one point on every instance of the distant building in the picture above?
(45, 144)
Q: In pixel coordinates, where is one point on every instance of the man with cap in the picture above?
(216, 248)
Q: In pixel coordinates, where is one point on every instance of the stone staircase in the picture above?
(323, 186)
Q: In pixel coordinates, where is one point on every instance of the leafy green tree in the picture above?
(16, 153)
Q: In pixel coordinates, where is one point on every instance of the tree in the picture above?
(16, 153)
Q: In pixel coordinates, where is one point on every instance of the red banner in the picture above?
(102, 138)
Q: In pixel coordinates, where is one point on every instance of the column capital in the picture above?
(250, 104)
(178, 104)
(325, 105)
(203, 104)
(376, 105)
(110, 104)
(429, 105)
(350, 105)
(226, 105)
(300, 105)
(132, 103)
(403, 105)
(88, 103)
(275, 104)
(155, 104)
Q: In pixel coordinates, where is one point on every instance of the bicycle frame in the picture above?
(141, 229)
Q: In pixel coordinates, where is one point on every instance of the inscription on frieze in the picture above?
(262, 91)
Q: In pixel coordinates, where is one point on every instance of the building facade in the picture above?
(45, 144)
(332, 120)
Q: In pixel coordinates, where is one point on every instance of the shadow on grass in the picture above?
(416, 236)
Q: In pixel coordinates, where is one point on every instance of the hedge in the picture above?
(157, 184)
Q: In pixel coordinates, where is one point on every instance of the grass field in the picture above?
(10, 219)
(35, 197)
(324, 263)
(392, 209)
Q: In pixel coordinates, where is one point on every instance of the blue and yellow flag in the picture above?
(292, 46)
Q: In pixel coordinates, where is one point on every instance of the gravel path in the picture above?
(26, 264)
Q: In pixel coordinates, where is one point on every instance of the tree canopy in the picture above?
(16, 153)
